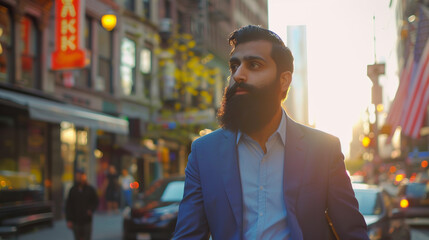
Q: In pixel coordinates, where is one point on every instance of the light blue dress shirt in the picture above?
(264, 209)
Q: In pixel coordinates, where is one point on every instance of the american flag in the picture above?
(418, 95)
(397, 108)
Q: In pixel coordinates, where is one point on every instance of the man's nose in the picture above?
(239, 74)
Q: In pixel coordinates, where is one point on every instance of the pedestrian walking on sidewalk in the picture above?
(113, 190)
(80, 206)
(126, 179)
(263, 175)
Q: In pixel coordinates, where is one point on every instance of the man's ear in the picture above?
(285, 80)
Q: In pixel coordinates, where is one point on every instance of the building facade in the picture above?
(193, 65)
(390, 148)
(297, 99)
(413, 146)
(74, 95)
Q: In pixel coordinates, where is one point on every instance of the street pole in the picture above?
(373, 72)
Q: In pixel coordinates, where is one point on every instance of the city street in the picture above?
(420, 233)
(109, 227)
(214, 118)
(105, 227)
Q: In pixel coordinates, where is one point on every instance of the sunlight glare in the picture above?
(339, 48)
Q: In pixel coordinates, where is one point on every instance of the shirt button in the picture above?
(260, 214)
(261, 187)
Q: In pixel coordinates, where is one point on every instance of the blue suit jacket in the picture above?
(314, 180)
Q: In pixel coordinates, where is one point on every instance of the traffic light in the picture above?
(368, 141)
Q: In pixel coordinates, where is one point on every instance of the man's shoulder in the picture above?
(90, 188)
(216, 137)
(71, 190)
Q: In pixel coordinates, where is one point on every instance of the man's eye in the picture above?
(255, 65)
(233, 67)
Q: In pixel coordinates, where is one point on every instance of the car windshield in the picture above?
(165, 191)
(416, 190)
(173, 192)
(369, 202)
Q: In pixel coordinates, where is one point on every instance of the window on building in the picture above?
(129, 5)
(74, 152)
(146, 8)
(128, 66)
(5, 44)
(23, 151)
(8, 146)
(146, 70)
(181, 19)
(103, 82)
(167, 9)
(29, 53)
(167, 89)
(83, 76)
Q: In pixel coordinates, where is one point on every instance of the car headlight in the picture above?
(374, 233)
(167, 216)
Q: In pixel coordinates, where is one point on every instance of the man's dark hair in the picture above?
(281, 54)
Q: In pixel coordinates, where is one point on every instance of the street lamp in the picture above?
(108, 21)
(373, 72)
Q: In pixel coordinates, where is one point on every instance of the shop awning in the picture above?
(56, 112)
(136, 150)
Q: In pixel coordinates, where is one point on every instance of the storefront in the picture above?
(48, 140)
(23, 151)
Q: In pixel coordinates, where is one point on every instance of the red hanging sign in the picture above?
(68, 52)
(25, 35)
(26, 60)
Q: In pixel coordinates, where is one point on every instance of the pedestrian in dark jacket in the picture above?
(80, 206)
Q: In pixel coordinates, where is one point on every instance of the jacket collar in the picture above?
(231, 175)
(294, 167)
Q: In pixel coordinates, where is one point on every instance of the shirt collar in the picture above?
(281, 130)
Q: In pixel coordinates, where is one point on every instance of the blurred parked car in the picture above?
(382, 214)
(154, 216)
(357, 179)
(414, 197)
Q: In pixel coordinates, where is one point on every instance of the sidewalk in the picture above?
(105, 227)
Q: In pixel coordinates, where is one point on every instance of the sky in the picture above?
(340, 45)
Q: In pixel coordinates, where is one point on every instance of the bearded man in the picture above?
(262, 175)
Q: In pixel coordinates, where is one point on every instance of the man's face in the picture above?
(255, 89)
(251, 63)
(81, 178)
(77, 176)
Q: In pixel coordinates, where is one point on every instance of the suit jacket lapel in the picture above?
(292, 177)
(294, 163)
(228, 157)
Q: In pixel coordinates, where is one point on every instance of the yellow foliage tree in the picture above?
(191, 75)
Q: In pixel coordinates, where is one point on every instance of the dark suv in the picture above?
(381, 212)
(154, 216)
(414, 199)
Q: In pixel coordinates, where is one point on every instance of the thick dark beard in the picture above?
(249, 112)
